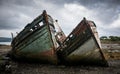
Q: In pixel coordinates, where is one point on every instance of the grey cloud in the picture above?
(18, 2)
(88, 3)
(95, 2)
(9, 20)
(10, 10)
(106, 10)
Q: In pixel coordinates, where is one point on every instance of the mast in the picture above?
(60, 36)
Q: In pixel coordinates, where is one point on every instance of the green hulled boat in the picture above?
(37, 42)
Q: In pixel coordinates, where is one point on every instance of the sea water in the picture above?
(5, 43)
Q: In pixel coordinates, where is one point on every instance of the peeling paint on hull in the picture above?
(36, 42)
(86, 54)
(42, 57)
(82, 46)
(38, 47)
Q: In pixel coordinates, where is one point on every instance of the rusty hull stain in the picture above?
(77, 38)
(36, 43)
(39, 41)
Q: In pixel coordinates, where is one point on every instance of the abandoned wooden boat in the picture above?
(82, 46)
(37, 41)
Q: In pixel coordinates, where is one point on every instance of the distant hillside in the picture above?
(110, 39)
(5, 39)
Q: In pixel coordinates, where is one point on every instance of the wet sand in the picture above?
(37, 68)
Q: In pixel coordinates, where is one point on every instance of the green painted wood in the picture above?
(39, 41)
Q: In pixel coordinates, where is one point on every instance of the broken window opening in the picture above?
(31, 30)
(41, 23)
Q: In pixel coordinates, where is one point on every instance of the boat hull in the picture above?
(40, 57)
(37, 47)
(87, 54)
(82, 46)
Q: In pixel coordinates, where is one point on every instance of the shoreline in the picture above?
(15, 67)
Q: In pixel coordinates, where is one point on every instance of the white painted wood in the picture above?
(88, 50)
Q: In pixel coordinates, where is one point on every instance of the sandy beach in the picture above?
(38, 68)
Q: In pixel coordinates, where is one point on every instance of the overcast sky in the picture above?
(15, 14)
